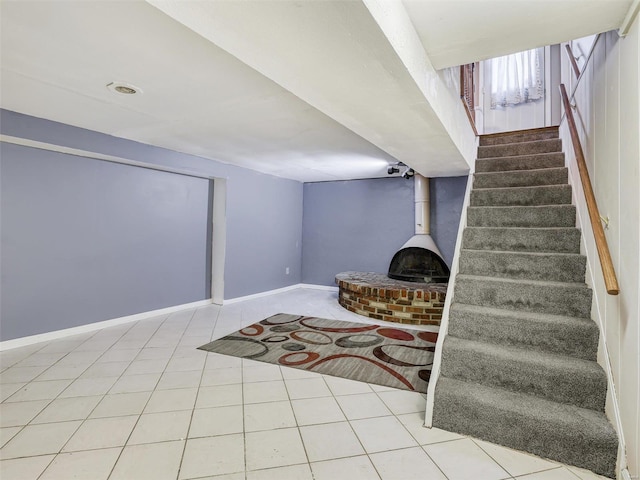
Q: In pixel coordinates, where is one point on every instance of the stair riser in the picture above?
(578, 340)
(582, 387)
(486, 140)
(557, 300)
(531, 178)
(568, 268)
(522, 196)
(562, 440)
(522, 239)
(546, 216)
(525, 148)
(525, 162)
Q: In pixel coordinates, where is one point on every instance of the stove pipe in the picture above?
(422, 237)
(419, 259)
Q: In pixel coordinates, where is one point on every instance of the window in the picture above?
(516, 79)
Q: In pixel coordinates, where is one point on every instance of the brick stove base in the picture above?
(377, 296)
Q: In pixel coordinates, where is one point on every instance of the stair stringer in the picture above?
(593, 277)
(444, 322)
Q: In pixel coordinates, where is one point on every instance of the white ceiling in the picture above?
(456, 32)
(308, 90)
(58, 57)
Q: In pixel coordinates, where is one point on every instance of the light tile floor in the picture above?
(139, 401)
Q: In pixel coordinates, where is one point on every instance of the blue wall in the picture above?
(447, 198)
(86, 240)
(264, 213)
(360, 224)
(350, 225)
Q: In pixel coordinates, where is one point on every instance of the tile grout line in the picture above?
(55, 455)
(107, 393)
(298, 426)
(151, 393)
(504, 468)
(23, 427)
(290, 406)
(195, 401)
(366, 453)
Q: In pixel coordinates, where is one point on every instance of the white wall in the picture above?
(607, 115)
(440, 87)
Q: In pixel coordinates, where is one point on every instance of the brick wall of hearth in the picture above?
(392, 301)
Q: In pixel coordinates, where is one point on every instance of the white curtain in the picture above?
(516, 79)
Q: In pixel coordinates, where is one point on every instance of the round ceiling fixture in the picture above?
(123, 88)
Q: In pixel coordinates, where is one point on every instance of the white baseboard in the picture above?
(66, 332)
(229, 301)
(312, 286)
(280, 290)
(90, 327)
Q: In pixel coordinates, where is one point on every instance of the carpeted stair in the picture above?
(519, 361)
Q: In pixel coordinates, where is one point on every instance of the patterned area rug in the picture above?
(376, 354)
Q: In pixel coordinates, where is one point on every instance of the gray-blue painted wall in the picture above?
(86, 240)
(263, 212)
(355, 225)
(447, 198)
(360, 224)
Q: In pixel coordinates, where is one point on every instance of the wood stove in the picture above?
(419, 260)
(416, 264)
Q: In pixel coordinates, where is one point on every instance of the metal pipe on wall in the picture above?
(422, 205)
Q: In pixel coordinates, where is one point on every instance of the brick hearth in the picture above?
(377, 296)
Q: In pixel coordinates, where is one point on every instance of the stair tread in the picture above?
(544, 141)
(546, 360)
(561, 432)
(551, 375)
(525, 315)
(558, 296)
(524, 228)
(583, 419)
(488, 159)
(534, 195)
(555, 266)
(523, 131)
(509, 150)
(542, 283)
(547, 332)
(560, 186)
(520, 252)
(511, 172)
(554, 215)
(564, 206)
(523, 239)
(521, 178)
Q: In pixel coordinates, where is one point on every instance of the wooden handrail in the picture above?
(610, 280)
(572, 60)
(467, 89)
(470, 117)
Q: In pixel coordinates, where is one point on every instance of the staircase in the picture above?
(519, 362)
